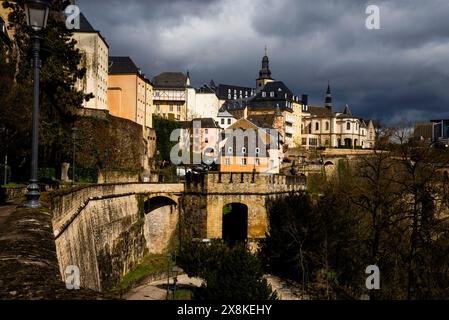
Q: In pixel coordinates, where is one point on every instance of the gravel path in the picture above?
(157, 290)
(5, 211)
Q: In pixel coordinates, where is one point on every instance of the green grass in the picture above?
(14, 185)
(150, 265)
(183, 294)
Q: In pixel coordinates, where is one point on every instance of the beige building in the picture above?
(297, 118)
(321, 127)
(130, 94)
(261, 155)
(95, 56)
(171, 95)
(271, 105)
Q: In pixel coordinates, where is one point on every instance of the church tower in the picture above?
(328, 101)
(265, 73)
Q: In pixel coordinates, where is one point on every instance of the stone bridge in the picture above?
(217, 203)
(105, 230)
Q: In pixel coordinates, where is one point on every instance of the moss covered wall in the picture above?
(109, 142)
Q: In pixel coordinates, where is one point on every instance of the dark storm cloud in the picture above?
(400, 71)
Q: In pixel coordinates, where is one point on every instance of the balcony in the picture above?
(290, 118)
(290, 130)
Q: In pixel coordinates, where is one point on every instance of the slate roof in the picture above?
(223, 91)
(263, 121)
(86, 27)
(170, 80)
(206, 123)
(280, 90)
(347, 111)
(271, 104)
(231, 105)
(122, 65)
(277, 95)
(206, 89)
(225, 114)
(321, 112)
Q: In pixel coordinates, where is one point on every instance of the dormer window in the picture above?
(264, 94)
(272, 94)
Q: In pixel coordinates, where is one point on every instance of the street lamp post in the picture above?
(74, 131)
(37, 16)
(175, 271)
(168, 274)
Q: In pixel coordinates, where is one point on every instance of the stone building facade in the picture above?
(130, 93)
(172, 92)
(322, 127)
(94, 58)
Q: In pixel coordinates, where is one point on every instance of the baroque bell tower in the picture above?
(264, 73)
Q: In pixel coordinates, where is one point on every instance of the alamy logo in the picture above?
(373, 20)
(373, 281)
(72, 14)
(253, 147)
(72, 281)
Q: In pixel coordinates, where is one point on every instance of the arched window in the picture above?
(327, 125)
(317, 126)
(348, 126)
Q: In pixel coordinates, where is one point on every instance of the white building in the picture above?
(224, 119)
(95, 58)
(202, 103)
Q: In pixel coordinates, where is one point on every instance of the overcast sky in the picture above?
(398, 72)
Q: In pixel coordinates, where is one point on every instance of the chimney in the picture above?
(305, 100)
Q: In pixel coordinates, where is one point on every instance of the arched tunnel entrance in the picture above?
(160, 223)
(235, 223)
(156, 203)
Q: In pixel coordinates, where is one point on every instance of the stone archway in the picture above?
(235, 223)
(158, 202)
(329, 168)
(160, 223)
(348, 143)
